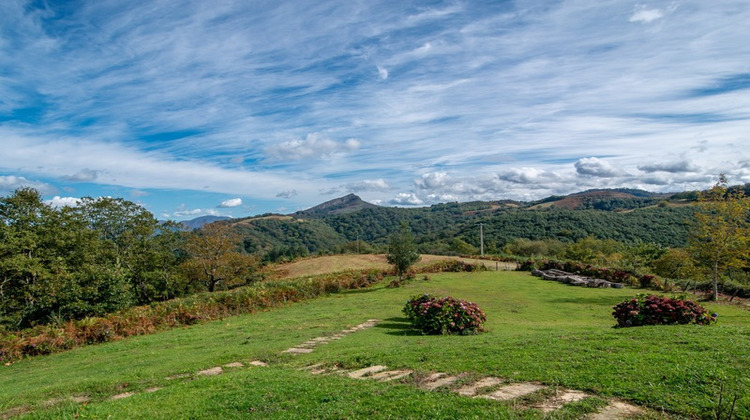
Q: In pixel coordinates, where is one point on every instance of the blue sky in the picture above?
(235, 108)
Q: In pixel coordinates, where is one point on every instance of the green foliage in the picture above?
(720, 238)
(444, 315)
(101, 256)
(46, 339)
(675, 263)
(658, 310)
(215, 260)
(402, 253)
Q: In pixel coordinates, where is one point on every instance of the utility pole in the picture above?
(481, 238)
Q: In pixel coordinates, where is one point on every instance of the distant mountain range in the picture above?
(198, 222)
(349, 223)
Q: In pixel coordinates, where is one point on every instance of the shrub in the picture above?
(445, 315)
(659, 310)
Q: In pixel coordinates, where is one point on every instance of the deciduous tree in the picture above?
(720, 237)
(402, 252)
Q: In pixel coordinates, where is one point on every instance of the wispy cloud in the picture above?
(463, 100)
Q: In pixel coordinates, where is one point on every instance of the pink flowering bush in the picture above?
(444, 315)
(659, 310)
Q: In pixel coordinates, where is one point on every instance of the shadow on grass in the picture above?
(397, 326)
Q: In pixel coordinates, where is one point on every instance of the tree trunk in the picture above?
(716, 280)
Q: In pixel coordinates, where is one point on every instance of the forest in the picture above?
(107, 254)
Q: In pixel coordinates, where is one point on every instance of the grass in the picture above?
(537, 331)
(336, 263)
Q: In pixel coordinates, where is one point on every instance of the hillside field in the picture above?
(335, 263)
(539, 332)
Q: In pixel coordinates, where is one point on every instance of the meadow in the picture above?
(540, 331)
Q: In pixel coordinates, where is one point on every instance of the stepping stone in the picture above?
(211, 372)
(178, 376)
(51, 402)
(80, 399)
(360, 374)
(434, 381)
(121, 396)
(616, 410)
(320, 340)
(297, 350)
(311, 367)
(390, 375)
(512, 391)
(472, 389)
(234, 365)
(561, 398)
(258, 363)
(154, 389)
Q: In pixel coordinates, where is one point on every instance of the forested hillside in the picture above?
(624, 215)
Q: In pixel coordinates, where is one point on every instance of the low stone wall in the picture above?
(574, 279)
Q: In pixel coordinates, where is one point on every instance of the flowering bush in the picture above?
(659, 310)
(445, 315)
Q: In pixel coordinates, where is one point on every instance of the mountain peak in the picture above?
(349, 203)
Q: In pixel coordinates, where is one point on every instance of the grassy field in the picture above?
(336, 263)
(536, 331)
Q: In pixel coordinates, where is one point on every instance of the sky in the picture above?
(239, 108)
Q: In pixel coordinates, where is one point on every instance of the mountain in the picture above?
(618, 199)
(198, 222)
(348, 204)
(624, 215)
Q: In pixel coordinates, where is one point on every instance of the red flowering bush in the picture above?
(659, 310)
(445, 315)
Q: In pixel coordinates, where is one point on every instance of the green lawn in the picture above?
(536, 331)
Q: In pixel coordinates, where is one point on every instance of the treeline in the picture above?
(100, 256)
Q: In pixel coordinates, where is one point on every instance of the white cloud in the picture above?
(11, 183)
(58, 201)
(672, 167)
(597, 168)
(382, 73)
(645, 15)
(369, 185)
(287, 194)
(184, 212)
(84, 175)
(232, 202)
(314, 146)
(406, 199)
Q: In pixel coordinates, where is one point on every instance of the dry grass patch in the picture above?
(314, 266)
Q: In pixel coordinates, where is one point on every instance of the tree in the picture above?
(215, 259)
(720, 238)
(402, 252)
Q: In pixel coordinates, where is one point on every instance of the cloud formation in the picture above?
(458, 101)
(313, 146)
(232, 202)
(598, 168)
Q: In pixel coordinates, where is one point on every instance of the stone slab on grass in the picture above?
(297, 350)
(211, 372)
(438, 381)
(512, 391)
(561, 398)
(616, 410)
(234, 365)
(391, 375)
(472, 389)
(361, 373)
(121, 396)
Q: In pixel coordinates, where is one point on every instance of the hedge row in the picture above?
(160, 316)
